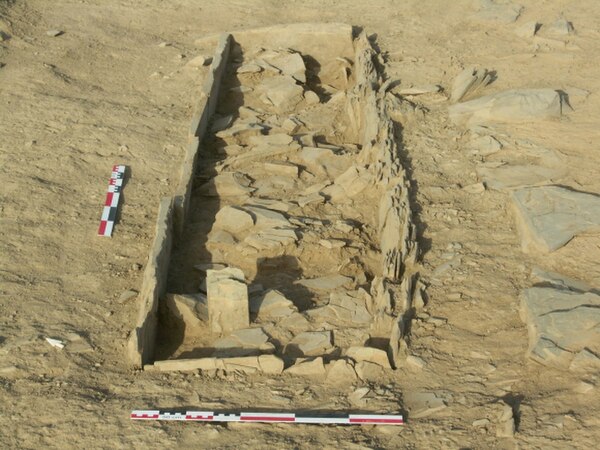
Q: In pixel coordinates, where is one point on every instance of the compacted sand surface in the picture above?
(86, 85)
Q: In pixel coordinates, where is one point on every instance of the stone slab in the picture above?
(329, 282)
(141, 344)
(517, 105)
(548, 217)
(310, 343)
(560, 323)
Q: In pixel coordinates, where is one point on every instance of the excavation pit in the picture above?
(289, 244)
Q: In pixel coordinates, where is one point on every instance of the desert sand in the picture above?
(496, 113)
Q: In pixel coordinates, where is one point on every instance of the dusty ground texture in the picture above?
(106, 92)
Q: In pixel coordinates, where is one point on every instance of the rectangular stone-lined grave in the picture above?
(295, 241)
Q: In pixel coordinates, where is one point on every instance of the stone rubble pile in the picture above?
(274, 177)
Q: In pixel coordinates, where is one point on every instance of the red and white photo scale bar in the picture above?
(209, 416)
(109, 213)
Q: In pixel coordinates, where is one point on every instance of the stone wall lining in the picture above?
(154, 284)
(374, 130)
(367, 109)
(203, 111)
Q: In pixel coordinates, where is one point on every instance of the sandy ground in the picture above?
(106, 92)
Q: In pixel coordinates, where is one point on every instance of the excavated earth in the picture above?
(495, 113)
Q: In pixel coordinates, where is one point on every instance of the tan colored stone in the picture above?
(279, 139)
(249, 68)
(246, 364)
(310, 343)
(315, 197)
(272, 304)
(272, 238)
(340, 371)
(282, 168)
(423, 404)
(199, 61)
(311, 98)
(221, 237)
(583, 388)
(585, 361)
(227, 294)
(369, 354)
(227, 184)
(325, 283)
(367, 371)
(468, 81)
(140, 347)
(233, 219)
(267, 218)
(420, 90)
(354, 180)
(270, 364)
(550, 216)
(246, 342)
(357, 397)
(288, 62)
(506, 423)
(188, 364)
(414, 362)
(332, 243)
(189, 308)
(560, 323)
(516, 105)
(291, 125)
(307, 367)
(476, 188)
(267, 203)
(281, 91)
(241, 131)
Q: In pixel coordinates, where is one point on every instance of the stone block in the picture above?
(246, 342)
(310, 343)
(369, 354)
(233, 220)
(307, 367)
(185, 365)
(191, 309)
(271, 304)
(227, 293)
(340, 372)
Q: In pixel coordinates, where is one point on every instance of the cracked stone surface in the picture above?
(550, 216)
(561, 324)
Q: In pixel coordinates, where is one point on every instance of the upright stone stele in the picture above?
(227, 295)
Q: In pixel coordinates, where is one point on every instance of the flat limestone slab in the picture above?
(269, 364)
(550, 216)
(511, 177)
(325, 283)
(561, 323)
(516, 105)
(140, 347)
